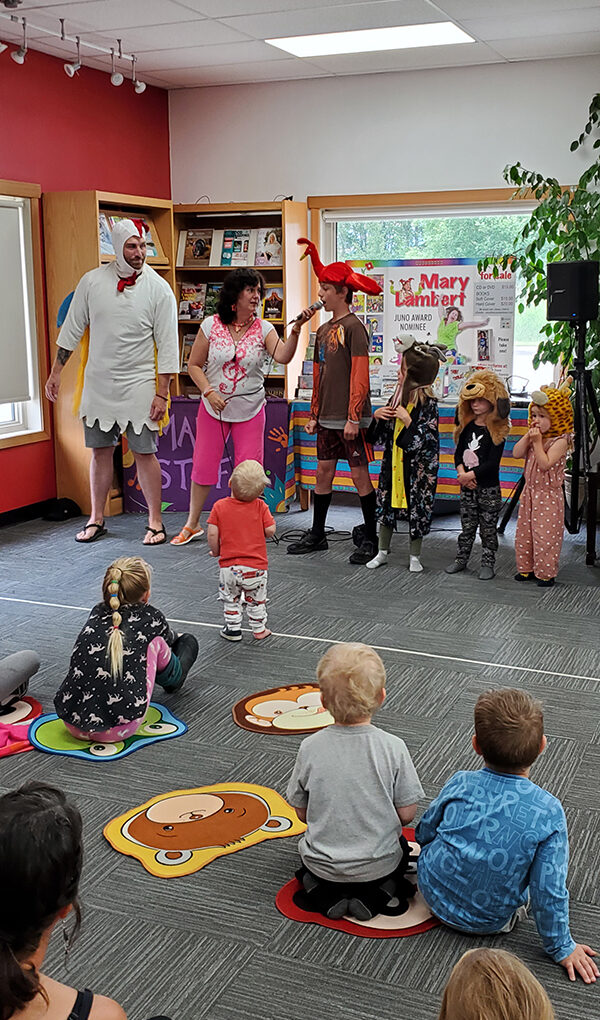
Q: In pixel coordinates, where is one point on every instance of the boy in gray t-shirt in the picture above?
(355, 786)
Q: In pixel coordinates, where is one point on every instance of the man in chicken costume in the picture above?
(126, 367)
(341, 403)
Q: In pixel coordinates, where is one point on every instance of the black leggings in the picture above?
(320, 895)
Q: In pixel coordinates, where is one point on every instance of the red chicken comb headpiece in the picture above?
(338, 272)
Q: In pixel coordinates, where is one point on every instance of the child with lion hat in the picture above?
(540, 525)
(483, 425)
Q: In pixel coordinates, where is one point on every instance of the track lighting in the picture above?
(19, 55)
(72, 69)
(139, 86)
(116, 78)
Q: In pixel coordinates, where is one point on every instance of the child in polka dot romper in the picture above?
(540, 525)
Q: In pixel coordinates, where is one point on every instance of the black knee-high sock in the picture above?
(321, 501)
(369, 506)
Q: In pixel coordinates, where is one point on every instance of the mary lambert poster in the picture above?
(444, 301)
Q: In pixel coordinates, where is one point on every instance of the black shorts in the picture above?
(332, 445)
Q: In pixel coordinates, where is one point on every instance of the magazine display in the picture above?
(192, 297)
(236, 248)
(273, 304)
(194, 247)
(186, 350)
(212, 298)
(268, 250)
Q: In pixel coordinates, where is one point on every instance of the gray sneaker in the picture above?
(486, 573)
(456, 567)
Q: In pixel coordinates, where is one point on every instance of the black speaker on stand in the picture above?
(573, 297)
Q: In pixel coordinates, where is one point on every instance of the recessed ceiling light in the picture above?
(442, 33)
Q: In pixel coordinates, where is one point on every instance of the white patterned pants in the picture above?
(238, 584)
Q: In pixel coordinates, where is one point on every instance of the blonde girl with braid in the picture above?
(125, 647)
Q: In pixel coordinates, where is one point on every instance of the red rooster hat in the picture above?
(338, 272)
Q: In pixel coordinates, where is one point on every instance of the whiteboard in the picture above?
(17, 307)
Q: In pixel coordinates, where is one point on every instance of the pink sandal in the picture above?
(187, 535)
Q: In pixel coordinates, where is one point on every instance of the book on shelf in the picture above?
(192, 297)
(212, 298)
(275, 368)
(107, 220)
(273, 304)
(186, 350)
(305, 382)
(303, 394)
(267, 249)
(194, 248)
(308, 367)
(273, 391)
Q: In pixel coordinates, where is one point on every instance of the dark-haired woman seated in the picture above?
(40, 867)
(227, 364)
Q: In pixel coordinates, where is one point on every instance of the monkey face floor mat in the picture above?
(178, 833)
(49, 733)
(14, 725)
(296, 709)
(418, 918)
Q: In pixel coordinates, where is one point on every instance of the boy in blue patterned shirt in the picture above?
(492, 842)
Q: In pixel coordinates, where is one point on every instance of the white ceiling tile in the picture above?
(380, 14)
(237, 74)
(229, 8)
(106, 15)
(181, 34)
(407, 60)
(529, 25)
(249, 52)
(576, 44)
(462, 9)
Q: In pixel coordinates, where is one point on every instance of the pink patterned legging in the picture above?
(157, 658)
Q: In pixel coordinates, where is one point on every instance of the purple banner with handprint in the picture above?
(175, 453)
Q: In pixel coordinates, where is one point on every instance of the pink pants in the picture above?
(157, 658)
(211, 436)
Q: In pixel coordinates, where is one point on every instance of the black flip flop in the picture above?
(100, 531)
(156, 531)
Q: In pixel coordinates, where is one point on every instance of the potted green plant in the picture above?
(564, 226)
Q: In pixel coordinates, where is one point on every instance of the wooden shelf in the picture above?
(292, 275)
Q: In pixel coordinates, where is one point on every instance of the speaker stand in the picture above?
(585, 404)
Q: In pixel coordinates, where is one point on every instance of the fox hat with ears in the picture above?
(484, 383)
(421, 362)
(556, 402)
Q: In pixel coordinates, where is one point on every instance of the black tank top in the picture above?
(83, 1004)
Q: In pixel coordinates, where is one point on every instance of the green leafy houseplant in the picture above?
(564, 226)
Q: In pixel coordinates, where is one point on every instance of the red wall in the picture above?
(71, 135)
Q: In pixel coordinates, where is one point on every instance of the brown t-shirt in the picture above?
(341, 373)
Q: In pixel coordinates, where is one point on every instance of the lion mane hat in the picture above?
(338, 272)
(556, 402)
(421, 362)
(484, 383)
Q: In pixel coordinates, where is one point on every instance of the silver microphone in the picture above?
(311, 308)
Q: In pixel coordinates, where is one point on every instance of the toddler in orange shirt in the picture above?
(238, 528)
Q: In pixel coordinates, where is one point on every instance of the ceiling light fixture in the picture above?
(20, 54)
(72, 69)
(442, 33)
(116, 78)
(139, 86)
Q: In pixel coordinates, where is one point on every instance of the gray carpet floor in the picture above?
(213, 944)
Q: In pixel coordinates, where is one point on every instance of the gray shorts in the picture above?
(144, 442)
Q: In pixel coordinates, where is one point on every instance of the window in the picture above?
(21, 407)
(455, 232)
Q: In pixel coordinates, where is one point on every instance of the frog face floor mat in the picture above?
(178, 833)
(418, 918)
(49, 733)
(296, 709)
(14, 725)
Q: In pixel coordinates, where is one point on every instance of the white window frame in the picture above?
(29, 422)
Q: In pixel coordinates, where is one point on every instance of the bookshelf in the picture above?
(72, 245)
(291, 277)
